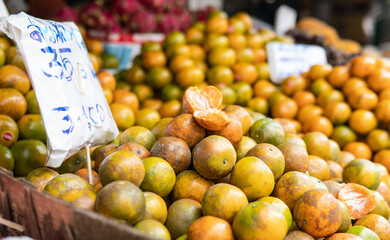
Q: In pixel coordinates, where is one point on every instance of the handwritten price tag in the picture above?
(72, 104)
(292, 59)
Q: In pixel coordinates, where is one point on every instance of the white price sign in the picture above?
(286, 60)
(72, 104)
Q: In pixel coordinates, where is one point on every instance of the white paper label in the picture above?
(72, 104)
(292, 59)
(285, 19)
(3, 9)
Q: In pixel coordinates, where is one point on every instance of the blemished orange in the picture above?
(358, 149)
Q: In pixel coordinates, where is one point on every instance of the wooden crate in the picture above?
(45, 217)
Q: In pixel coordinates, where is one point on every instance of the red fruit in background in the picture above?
(142, 21)
(122, 7)
(183, 17)
(67, 14)
(202, 14)
(168, 23)
(157, 6)
(94, 16)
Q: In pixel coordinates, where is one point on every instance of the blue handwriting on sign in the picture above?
(94, 115)
(59, 67)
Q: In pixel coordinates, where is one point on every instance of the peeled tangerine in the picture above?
(205, 105)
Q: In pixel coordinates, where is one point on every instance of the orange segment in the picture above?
(212, 119)
(358, 199)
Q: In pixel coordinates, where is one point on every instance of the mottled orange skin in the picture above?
(158, 128)
(83, 173)
(173, 150)
(122, 165)
(189, 184)
(153, 229)
(318, 213)
(298, 235)
(317, 144)
(12, 103)
(84, 199)
(181, 214)
(224, 201)
(155, 207)
(214, 157)
(121, 200)
(318, 168)
(344, 158)
(103, 153)
(139, 135)
(40, 177)
(333, 187)
(209, 227)
(65, 183)
(344, 236)
(139, 150)
(336, 170)
(363, 172)
(346, 220)
(295, 156)
(186, 128)
(377, 224)
(232, 132)
(12, 76)
(384, 190)
(291, 186)
(242, 114)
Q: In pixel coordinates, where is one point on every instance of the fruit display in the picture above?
(211, 148)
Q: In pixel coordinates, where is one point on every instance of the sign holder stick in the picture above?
(88, 163)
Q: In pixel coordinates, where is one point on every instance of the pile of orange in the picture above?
(241, 158)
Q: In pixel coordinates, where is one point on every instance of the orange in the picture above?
(338, 76)
(328, 96)
(222, 56)
(190, 76)
(363, 172)
(383, 157)
(209, 227)
(267, 130)
(189, 184)
(214, 41)
(156, 208)
(253, 177)
(320, 124)
(107, 80)
(32, 103)
(40, 177)
(260, 220)
(153, 229)
(171, 92)
(258, 104)
(320, 85)
(64, 183)
(139, 135)
(243, 92)
(377, 224)
(245, 55)
(6, 158)
(158, 128)
(12, 103)
(254, 40)
(295, 235)
(147, 117)
(280, 206)
(121, 165)
(177, 50)
(362, 121)
(158, 77)
(170, 109)
(244, 146)
(378, 139)
(358, 149)
(13, 77)
(242, 114)
(108, 94)
(362, 66)
(224, 201)
(379, 79)
(318, 168)
(151, 59)
(31, 127)
(9, 131)
(344, 158)
(220, 74)
(318, 213)
(127, 98)
(358, 199)
(363, 98)
(28, 155)
(352, 84)
(135, 75)
(121, 200)
(83, 173)
(245, 18)
(363, 232)
(288, 125)
(308, 111)
(123, 115)
(317, 144)
(80, 198)
(296, 157)
(260, 55)
(102, 153)
(343, 135)
(96, 61)
(334, 150)
(236, 25)
(245, 72)
(338, 112)
(381, 207)
(156, 167)
(181, 214)
(293, 84)
(217, 25)
(382, 111)
(152, 103)
(346, 222)
(303, 98)
(290, 187)
(284, 108)
(384, 94)
(194, 35)
(263, 70)
(319, 71)
(94, 46)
